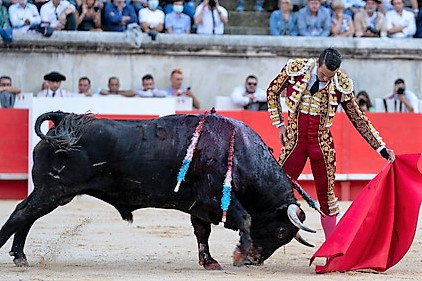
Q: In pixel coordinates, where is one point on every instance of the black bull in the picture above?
(134, 164)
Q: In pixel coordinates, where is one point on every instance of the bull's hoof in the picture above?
(19, 260)
(213, 265)
(238, 258)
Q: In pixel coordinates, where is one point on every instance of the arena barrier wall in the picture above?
(357, 163)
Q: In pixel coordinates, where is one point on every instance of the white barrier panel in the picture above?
(225, 103)
(97, 105)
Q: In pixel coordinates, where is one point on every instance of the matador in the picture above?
(313, 90)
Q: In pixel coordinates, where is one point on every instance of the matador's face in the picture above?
(324, 74)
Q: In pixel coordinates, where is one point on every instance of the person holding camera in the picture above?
(314, 90)
(364, 102)
(210, 17)
(176, 87)
(404, 100)
(88, 16)
(369, 22)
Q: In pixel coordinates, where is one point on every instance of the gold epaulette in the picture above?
(343, 83)
(297, 67)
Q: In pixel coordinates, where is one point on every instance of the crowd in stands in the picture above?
(247, 96)
(342, 18)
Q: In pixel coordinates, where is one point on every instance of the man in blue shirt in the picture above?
(117, 16)
(314, 20)
(176, 22)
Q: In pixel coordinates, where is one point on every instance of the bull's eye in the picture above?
(282, 233)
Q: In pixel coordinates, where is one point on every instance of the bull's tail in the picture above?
(67, 129)
(55, 117)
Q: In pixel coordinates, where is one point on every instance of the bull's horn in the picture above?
(302, 241)
(292, 211)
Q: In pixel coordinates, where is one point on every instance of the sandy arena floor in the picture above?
(87, 240)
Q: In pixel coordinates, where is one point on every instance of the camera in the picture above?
(212, 3)
(362, 102)
(400, 91)
(373, 30)
(96, 8)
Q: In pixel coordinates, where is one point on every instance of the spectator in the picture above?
(59, 15)
(369, 22)
(259, 5)
(210, 17)
(148, 88)
(138, 5)
(5, 29)
(176, 22)
(88, 16)
(284, 21)
(250, 96)
(352, 7)
(114, 88)
(24, 15)
(151, 19)
(84, 86)
(341, 23)
(188, 7)
(314, 20)
(117, 16)
(400, 22)
(7, 92)
(417, 10)
(54, 82)
(401, 97)
(364, 102)
(176, 89)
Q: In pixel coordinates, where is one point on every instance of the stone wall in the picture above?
(212, 65)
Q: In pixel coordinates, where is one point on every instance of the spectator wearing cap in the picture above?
(24, 15)
(341, 23)
(176, 22)
(54, 82)
(369, 22)
(117, 16)
(176, 87)
(7, 92)
(400, 22)
(314, 20)
(58, 14)
(284, 21)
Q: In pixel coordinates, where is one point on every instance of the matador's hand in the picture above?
(388, 154)
(283, 137)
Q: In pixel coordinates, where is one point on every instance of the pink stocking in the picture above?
(328, 224)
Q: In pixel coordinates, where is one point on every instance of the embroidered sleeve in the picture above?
(273, 97)
(343, 83)
(361, 122)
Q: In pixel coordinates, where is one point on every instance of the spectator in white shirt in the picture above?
(59, 14)
(151, 19)
(400, 22)
(250, 96)
(210, 17)
(407, 100)
(148, 89)
(23, 15)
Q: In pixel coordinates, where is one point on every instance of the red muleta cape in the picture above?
(378, 228)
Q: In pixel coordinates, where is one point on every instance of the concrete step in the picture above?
(230, 5)
(252, 19)
(245, 30)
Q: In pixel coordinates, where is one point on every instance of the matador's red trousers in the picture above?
(311, 141)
